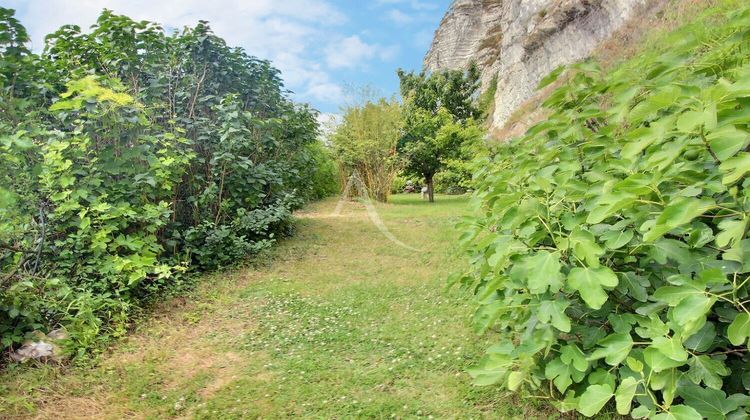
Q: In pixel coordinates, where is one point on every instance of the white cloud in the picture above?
(399, 17)
(325, 92)
(352, 52)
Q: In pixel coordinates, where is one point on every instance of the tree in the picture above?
(439, 120)
(365, 143)
(453, 90)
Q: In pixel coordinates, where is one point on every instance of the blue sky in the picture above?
(324, 48)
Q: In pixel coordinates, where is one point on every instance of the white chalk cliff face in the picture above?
(521, 41)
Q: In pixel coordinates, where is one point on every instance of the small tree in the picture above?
(439, 114)
(365, 143)
(434, 140)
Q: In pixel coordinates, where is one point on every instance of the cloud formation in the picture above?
(352, 52)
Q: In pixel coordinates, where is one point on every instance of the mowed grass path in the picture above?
(341, 323)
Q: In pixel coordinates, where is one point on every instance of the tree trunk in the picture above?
(430, 188)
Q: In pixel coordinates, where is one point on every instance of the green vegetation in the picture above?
(440, 129)
(608, 246)
(611, 248)
(128, 157)
(432, 136)
(365, 144)
(341, 324)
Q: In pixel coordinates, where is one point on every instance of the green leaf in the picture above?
(735, 168)
(590, 284)
(624, 395)
(732, 232)
(739, 329)
(492, 369)
(690, 314)
(585, 247)
(634, 147)
(707, 370)
(594, 399)
(690, 120)
(678, 212)
(634, 364)
(673, 295)
(554, 311)
(609, 204)
(671, 249)
(702, 340)
(634, 285)
(679, 412)
(666, 381)
(514, 380)
(543, 271)
(710, 403)
(665, 156)
(658, 361)
(652, 327)
(617, 240)
(670, 347)
(551, 77)
(727, 141)
(560, 374)
(572, 355)
(653, 103)
(641, 412)
(614, 349)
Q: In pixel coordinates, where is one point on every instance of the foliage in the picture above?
(455, 178)
(398, 185)
(129, 157)
(365, 144)
(324, 180)
(439, 120)
(486, 101)
(452, 90)
(612, 246)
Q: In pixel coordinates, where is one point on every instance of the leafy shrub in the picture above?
(324, 179)
(612, 248)
(398, 184)
(128, 157)
(455, 178)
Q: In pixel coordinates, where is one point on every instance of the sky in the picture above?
(325, 49)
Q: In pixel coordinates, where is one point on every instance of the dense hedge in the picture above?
(612, 250)
(127, 157)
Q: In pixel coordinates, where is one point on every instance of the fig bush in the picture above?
(611, 248)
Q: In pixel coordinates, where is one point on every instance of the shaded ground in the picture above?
(342, 323)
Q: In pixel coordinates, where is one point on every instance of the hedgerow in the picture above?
(128, 157)
(611, 251)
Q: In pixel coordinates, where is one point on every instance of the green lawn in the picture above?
(340, 323)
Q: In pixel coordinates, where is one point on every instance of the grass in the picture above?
(340, 323)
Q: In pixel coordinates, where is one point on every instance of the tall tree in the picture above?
(437, 107)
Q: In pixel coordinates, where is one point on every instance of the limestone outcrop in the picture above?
(521, 41)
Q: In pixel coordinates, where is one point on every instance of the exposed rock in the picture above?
(521, 41)
(43, 348)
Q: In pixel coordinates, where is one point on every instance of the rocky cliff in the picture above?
(521, 41)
